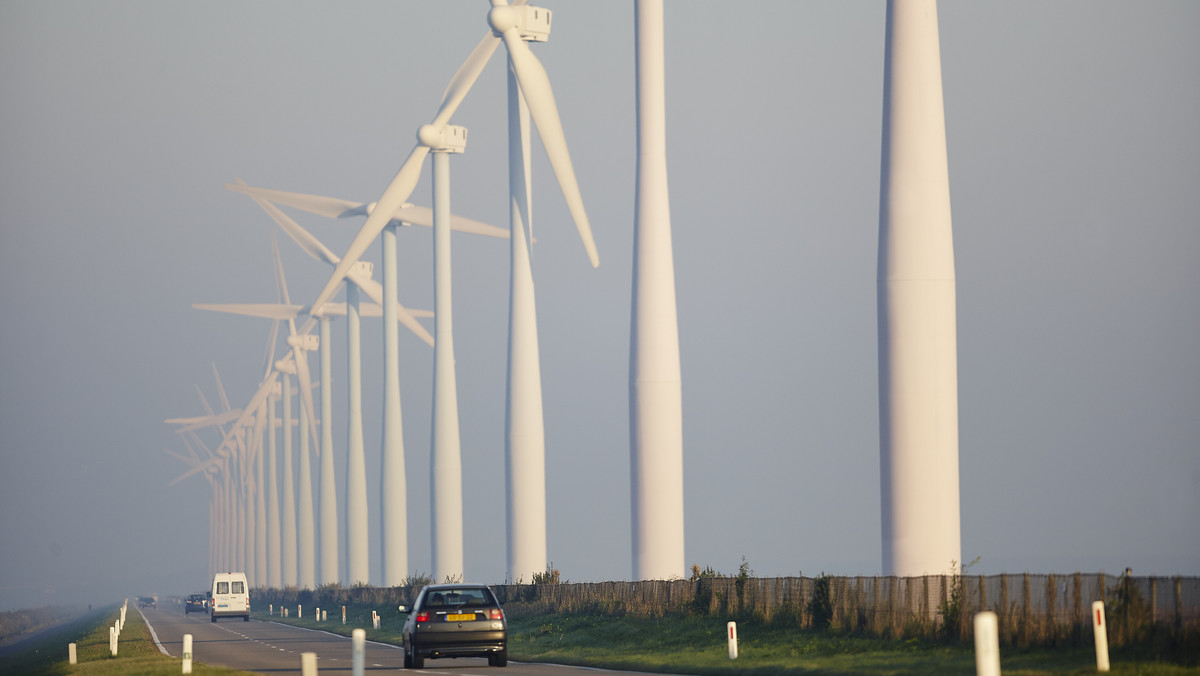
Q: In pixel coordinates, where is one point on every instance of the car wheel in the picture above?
(418, 660)
(499, 659)
(214, 618)
(407, 658)
(245, 618)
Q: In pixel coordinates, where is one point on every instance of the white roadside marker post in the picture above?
(308, 664)
(987, 644)
(71, 657)
(732, 631)
(187, 653)
(358, 652)
(271, 609)
(112, 640)
(343, 614)
(299, 611)
(1101, 630)
(324, 615)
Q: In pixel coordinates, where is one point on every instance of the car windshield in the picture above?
(454, 598)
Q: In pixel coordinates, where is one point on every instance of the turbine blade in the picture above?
(423, 216)
(204, 401)
(315, 204)
(398, 191)
(190, 462)
(211, 421)
(374, 291)
(268, 310)
(196, 469)
(220, 387)
(188, 445)
(402, 185)
(465, 78)
(373, 310)
(535, 85)
(272, 341)
(311, 245)
(306, 398)
(280, 279)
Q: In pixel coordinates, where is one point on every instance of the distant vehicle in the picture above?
(455, 620)
(195, 603)
(146, 601)
(230, 596)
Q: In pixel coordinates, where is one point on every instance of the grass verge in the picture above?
(698, 646)
(136, 651)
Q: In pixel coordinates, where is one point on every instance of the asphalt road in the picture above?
(269, 647)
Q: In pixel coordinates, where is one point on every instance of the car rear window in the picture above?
(238, 587)
(222, 587)
(453, 598)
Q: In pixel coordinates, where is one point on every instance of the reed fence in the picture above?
(1033, 609)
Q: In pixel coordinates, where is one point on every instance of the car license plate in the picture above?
(461, 618)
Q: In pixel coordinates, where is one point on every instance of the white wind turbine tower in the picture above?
(529, 93)
(380, 215)
(247, 529)
(398, 191)
(655, 391)
(918, 381)
(298, 366)
(217, 541)
(360, 277)
(525, 451)
(446, 466)
(229, 446)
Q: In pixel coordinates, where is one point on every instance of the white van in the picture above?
(230, 596)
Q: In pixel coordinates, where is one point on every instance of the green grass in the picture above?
(136, 651)
(698, 646)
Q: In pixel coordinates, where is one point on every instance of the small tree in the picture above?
(820, 606)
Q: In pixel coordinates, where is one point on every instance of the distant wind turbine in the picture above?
(356, 517)
(918, 379)
(394, 513)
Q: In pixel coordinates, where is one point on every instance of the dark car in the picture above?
(455, 620)
(195, 603)
(145, 601)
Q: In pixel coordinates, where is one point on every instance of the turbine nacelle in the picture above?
(532, 23)
(306, 342)
(446, 138)
(368, 208)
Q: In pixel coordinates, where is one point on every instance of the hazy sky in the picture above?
(1074, 154)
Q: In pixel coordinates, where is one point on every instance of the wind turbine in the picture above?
(297, 549)
(230, 443)
(655, 391)
(525, 451)
(356, 468)
(445, 467)
(525, 459)
(247, 529)
(214, 542)
(918, 372)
